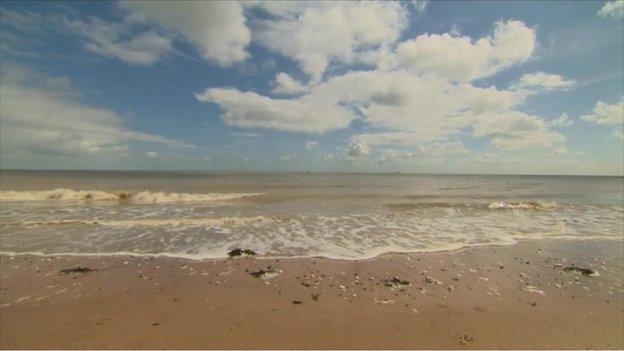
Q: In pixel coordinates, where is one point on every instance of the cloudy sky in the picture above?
(450, 87)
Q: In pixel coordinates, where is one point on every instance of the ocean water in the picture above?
(345, 216)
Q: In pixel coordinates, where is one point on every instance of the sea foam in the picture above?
(62, 194)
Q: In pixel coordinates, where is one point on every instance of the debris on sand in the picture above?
(269, 273)
(584, 271)
(297, 302)
(465, 339)
(384, 301)
(76, 270)
(395, 283)
(533, 289)
(432, 280)
(241, 252)
(315, 297)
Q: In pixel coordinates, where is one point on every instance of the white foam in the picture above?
(526, 205)
(63, 194)
(166, 222)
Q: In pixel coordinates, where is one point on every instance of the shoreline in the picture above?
(516, 297)
(191, 257)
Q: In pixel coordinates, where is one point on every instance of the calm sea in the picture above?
(350, 216)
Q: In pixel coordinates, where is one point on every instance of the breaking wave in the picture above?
(97, 195)
(499, 205)
(526, 205)
(151, 222)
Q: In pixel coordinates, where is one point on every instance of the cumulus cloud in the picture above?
(606, 114)
(42, 115)
(358, 148)
(613, 9)
(409, 103)
(316, 34)
(515, 130)
(287, 85)
(545, 81)
(561, 121)
(151, 154)
(248, 109)
(216, 28)
(461, 59)
(421, 106)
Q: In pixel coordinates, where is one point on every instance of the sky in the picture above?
(507, 87)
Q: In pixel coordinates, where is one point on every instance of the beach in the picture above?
(524, 296)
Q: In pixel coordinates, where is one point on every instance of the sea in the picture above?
(203, 215)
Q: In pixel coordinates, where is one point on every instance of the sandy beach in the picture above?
(520, 296)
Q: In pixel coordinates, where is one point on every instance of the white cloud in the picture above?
(398, 100)
(118, 40)
(248, 109)
(409, 106)
(545, 81)
(561, 121)
(514, 130)
(561, 150)
(151, 154)
(216, 28)
(115, 40)
(287, 85)
(613, 9)
(389, 156)
(358, 148)
(420, 5)
(246, 135)
(439, 149)
(605, 114)
(619, 134)
(316, 34)
(311, 144)
(427, 150)
(461, 59)
(42, 116)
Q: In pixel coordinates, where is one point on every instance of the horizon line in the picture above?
(310, 172)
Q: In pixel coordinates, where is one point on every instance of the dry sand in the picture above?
(487, 297)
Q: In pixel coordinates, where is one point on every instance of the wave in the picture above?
(368, 255)
(524, 205)
(62, 194)
(498, 205)
(151, 222)
(406, 206)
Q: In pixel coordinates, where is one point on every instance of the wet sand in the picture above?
(516, 296)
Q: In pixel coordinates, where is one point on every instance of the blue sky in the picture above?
(449, 87)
